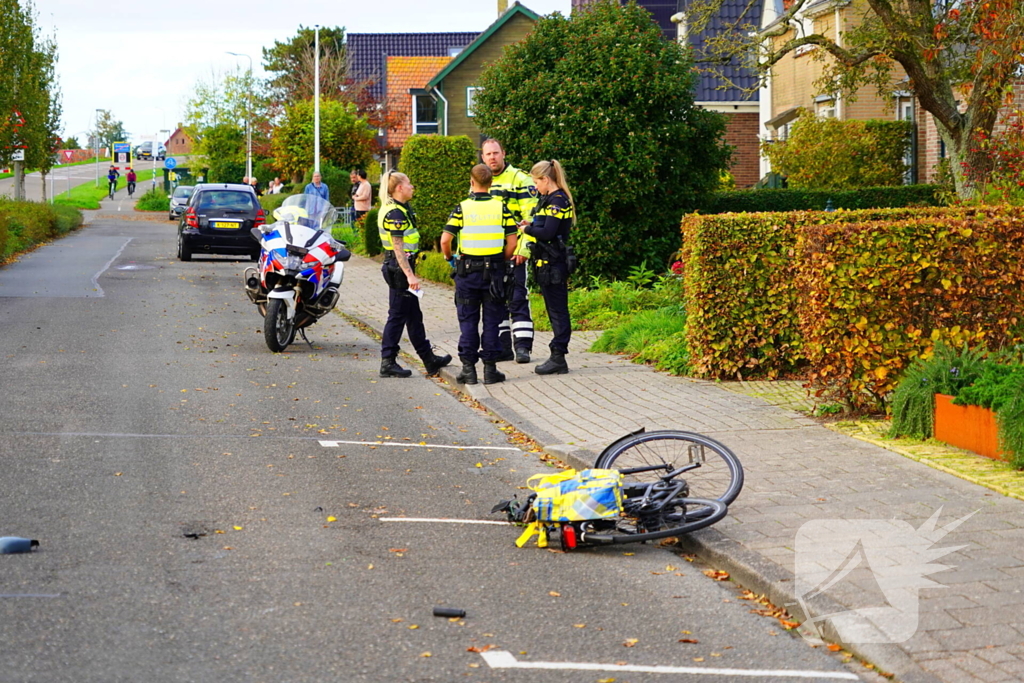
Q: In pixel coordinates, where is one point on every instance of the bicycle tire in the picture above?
(677, 524)
(719, 477)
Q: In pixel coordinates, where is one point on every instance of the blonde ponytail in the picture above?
(553, 170)
(388, 184)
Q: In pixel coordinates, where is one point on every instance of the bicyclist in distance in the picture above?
(112, 176)
(130, 177)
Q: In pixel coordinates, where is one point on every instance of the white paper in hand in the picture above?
(417, 292)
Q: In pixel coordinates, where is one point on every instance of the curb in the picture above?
(746, 568)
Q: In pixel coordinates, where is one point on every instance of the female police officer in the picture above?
(551, 258)
(396, 224)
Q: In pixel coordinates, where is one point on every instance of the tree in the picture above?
(292, 62)
(961, 58)
(108, 130)
(71, 143)
(216, 116)
(221, 148)
(637, 151)
(30, 101)
(345, 138)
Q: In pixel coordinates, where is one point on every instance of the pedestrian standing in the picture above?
(487, 239)
(551, 257)
(318, 187)
(396, 224)
(362, 193)
(516, 190)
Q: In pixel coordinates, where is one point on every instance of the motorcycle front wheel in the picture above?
(278, 330)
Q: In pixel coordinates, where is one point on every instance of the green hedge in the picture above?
(438, 167)
(850, 296)
(753, 201)
(371, 236)
(23, 225)
(269, 202)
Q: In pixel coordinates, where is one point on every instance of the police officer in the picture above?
(396, 224)
(551, 258)
(487, 239)
(520, 196)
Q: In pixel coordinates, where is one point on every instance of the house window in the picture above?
(471, 100)
(424, 113)
(825, 107)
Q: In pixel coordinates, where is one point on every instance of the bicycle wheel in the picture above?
(682, 516)
(715, 471)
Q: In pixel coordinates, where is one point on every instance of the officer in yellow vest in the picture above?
(396, 224)
(487, 239)
(516, 189)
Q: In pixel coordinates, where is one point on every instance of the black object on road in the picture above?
(450, 612)
(10, 545)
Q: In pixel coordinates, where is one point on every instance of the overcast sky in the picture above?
(140, 61)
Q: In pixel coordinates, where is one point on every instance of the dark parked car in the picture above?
(218, 219)
(179, 200)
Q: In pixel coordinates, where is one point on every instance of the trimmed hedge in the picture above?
(438, 167)
(788, 199)
(26, 224)
(371, 236)
(852, 297)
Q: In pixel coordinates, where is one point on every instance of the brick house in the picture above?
(179, 143)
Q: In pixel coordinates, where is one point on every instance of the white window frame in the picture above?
(471, 99)
(416, 122)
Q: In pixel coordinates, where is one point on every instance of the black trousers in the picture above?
(556, 300)
(519, 332)
(472, 295)
(403, 314)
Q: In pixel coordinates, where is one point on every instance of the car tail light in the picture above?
(261, 218)
(190, 218)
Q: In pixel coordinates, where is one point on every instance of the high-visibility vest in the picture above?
(410, 236)
(482, 233)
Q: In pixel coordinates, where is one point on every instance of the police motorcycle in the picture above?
(300, 269)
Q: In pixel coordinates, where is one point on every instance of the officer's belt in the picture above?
(390, 255)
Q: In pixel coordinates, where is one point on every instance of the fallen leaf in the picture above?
(789, 625)
(413, 627)
(426, 654)
(698, 659)
(237, 528)
(689, 633)
(629, 554)
(554, 594)
(369, 566)
(117, 474)
(630, 642)
(396, 621)
(670, 568)
(332, 519)
(606, 680)
(579, 625)
(716, 654)
(717, 574)
(834, 648)
(689, 640)
(483, 648)
(398, 550)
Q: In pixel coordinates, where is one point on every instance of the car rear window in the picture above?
(182, 191)
(226, 200)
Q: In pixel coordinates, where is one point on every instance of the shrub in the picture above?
(755, 201)
(832, 153)
(25, 224)
(269, 202)
(371, 237)
(432, 266)
(66, 219)
(944, 371)
(439, 168)
(155, 199)
(345, 138)
(640, 330)
(608, 96)
(1010, 420)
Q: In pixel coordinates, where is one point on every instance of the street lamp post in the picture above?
(316, 99)
(96, 143)
(248, 117)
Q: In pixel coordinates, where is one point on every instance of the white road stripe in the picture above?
(335, 444)
(500, 659)
(441, 520)
(96, 277)
(29, 595)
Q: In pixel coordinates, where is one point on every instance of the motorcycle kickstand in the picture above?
(302, 333)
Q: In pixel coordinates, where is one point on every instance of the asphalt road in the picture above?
(173, 471)
(66, 177)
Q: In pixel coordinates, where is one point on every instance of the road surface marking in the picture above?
(28, 595)
(96, 277)
(335, 444)
(441, 520)
(500, 659)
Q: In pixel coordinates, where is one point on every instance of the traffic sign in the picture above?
(68, 153)
(18, 155)
(170, 162)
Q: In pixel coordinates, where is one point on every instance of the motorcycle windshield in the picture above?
(306, 209)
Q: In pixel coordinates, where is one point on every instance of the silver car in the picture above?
(179, 199)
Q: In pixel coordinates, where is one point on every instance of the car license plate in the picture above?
(226, 224)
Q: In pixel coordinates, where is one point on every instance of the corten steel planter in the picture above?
(970, 427)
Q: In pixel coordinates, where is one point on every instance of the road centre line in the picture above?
(441, 520)
(334, 444)
(500, 659)
(96, 277)
(325, 444)
(29, 595)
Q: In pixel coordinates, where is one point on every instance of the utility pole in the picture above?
(316, 100)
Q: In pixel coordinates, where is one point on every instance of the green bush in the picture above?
(269, 202)
(945, 372)
(438, 166)
(371, 237)
(432, 266)
(1010, 420)
(789, 199)
(640, 330)
(67, 218)
(23, 224)
(154, 200)
(833, 153)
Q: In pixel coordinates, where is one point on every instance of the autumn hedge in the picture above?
(850, 297)
(23, 225)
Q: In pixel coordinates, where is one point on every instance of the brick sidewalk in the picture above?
(970, 624)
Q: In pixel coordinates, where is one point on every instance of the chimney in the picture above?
(502, 7)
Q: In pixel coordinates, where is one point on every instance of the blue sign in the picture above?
(170, 162)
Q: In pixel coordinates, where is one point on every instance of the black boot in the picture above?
(555, 365)
(433, 363)
(389, 367)
(468, 374)
(506, 354)
(491, 373)
(522, 355)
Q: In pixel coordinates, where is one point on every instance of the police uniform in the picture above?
(482, 223)
(549, 259)
(520, 196)
(398, 220)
